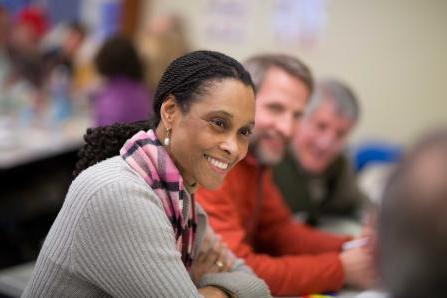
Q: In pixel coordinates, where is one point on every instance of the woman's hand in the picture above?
(212, 292)
(214, 256)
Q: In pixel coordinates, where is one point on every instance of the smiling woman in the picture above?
(209, 140)
(129, 225)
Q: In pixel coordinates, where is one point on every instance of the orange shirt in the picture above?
(250, 215)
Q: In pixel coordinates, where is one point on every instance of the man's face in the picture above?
(280, 103)
(321, 137)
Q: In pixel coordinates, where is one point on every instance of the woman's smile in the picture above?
(219, 166)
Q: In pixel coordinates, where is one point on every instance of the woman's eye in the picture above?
(245, 132)
(219, 123)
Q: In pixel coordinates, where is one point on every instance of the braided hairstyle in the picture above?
(186, 78)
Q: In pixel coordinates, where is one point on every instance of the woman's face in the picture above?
(212, 136)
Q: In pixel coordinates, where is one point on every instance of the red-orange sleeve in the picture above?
(285, 275)
(279, 234)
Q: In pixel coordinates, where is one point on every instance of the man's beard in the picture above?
(263, 157)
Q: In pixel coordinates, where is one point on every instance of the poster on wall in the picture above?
(225, 20)
(298, 22)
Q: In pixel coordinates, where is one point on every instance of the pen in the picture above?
(356, 243)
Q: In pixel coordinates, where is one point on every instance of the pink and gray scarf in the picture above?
(147, 156)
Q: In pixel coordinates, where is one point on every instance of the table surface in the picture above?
(21, 145)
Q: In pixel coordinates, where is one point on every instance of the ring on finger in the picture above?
(220, 264)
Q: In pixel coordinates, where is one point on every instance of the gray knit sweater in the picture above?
(112, 238)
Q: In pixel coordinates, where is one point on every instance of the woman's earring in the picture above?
(167, 139)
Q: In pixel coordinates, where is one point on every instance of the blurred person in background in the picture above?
(316, 177)
(4, 31)
(412, 238)
(4, 60)
(60, 52)
(22, 93)
(27, 30)
(163, 40)
(249, 212)
(123, 97)
(64, 53)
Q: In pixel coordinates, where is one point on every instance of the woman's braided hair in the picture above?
(186, 78)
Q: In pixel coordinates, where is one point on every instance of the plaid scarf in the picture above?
(147, 156)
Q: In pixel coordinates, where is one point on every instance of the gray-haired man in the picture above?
(316, 177)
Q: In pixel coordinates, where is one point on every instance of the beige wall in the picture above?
(393, 52)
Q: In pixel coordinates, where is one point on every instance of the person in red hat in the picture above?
(29, 26)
